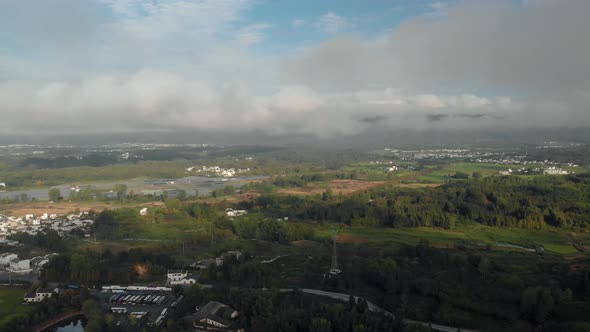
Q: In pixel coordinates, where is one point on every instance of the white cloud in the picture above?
(187, 64)
(298, 22)
(332, 23)
(438, 8)
(251, 34)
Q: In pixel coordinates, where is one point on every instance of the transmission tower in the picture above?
(334, 270)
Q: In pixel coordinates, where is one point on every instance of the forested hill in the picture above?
(527, 202)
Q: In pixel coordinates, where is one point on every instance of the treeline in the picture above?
(48, 177)
(463, 288)
(49, 240)
(90, 267)
(92, 159)
(272, 230)
(68, 300)
(270, 310)
(303, 180)
(560, 201)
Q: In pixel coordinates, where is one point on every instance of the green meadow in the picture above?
(11, 305)
(552, 239)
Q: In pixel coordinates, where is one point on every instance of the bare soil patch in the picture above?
(350, 186)
(344, 187)
(419, 185)
(303, 243)
(350, 239)
(39, 208)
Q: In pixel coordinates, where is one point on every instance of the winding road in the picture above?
(345, 297)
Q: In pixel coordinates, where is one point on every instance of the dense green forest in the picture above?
(526, 202)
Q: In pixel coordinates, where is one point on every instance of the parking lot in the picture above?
(149, 306)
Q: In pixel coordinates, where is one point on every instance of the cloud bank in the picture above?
(174, 64)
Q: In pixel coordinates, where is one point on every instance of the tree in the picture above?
(94, 315)
(321, 325)
(54, 194)
(173, 204)
(157, 215)
(121, 190)
(181, 195)
(484, 267)
(262, 311)
(537, 303)
(476, 175)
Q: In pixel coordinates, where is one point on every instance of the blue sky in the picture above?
(286, 66)
(299, 23)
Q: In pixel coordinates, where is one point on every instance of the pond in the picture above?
(73, 326)
(204, 185)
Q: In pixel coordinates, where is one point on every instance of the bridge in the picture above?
(65, 317)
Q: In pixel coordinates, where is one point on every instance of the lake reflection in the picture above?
(75, 326)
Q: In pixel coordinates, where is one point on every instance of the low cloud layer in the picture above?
(175, 64)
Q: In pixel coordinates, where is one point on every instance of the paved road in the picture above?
(341, 297)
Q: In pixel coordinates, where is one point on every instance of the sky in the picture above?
(317, 67)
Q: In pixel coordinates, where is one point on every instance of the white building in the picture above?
(176, 275)
(235, 253)
(20, 266)
(39, 295)
(235, 213)
(179, 278)
(143, 211)
(2, 185)
(6, 258)
(555, 171)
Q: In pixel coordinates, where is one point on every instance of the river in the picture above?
(204, 185)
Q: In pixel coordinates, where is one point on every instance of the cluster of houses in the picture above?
(12, 263)
(552, 170)
(410, 155)
(34, 225)
(219, 171)
(517, 160)
(555, 171)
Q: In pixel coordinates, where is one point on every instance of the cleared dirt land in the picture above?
(347, 187)
(39, 208)
(338, 187)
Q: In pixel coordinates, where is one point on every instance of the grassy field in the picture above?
(11, 305)
(553, 240)
(439, 176)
